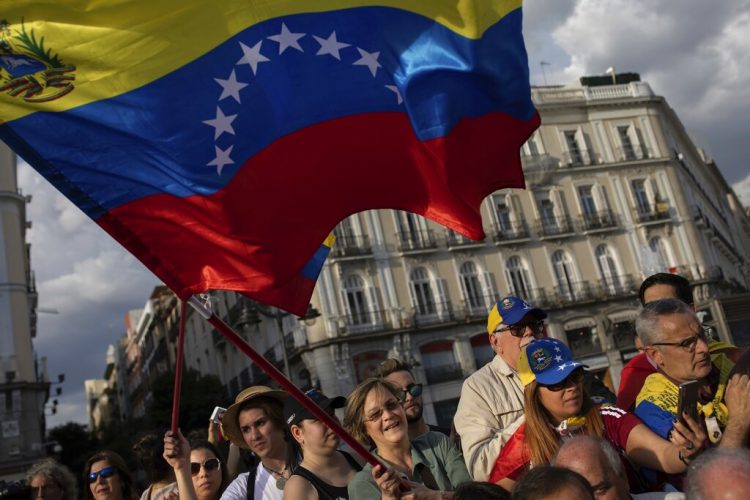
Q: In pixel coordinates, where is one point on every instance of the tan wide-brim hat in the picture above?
(229, 426)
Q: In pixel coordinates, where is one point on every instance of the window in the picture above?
(640, 193)
(518, 277)
(423, 298)
(480, 346)
(623, 333)
(547, 213)
(439, 362)
(366, 364)
(607, 269)
(659, 249)
(563, 268)
(503, 216)
(588, 205)
(471, 286)
(344, 232)
(356, 300)
(583, 340)
(628, 151)
(444, 412)
(574, 150)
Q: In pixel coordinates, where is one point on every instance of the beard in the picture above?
(414, 414)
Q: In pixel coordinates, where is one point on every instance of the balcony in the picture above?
(660, 213)
(554, 226)
(351, 245)
(537, 297)
(512, 234)
(577, 158)
(481, 305)
(443, 373)
(573, 292)
(410, 241)
(432, 314)
(538, 169)
(456, 240)
(365, 322)
(634, 152)
(598, 221)
(618, 286)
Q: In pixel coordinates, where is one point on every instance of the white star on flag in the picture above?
(562, 367)
(222, 123)
(252, 56)
(557, 348)
(558, 358)
(230, 87)
(330, 45)
(287, 39)
(395, 90)
(369, 59)
(222, 159)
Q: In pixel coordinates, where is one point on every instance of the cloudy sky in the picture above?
(695, 53)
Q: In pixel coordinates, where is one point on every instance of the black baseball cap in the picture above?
(294, 412)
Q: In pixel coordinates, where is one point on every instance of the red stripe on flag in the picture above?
(256, 234)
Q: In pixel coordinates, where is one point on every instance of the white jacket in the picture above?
(489, 412)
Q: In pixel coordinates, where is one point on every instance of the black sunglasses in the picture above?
(537, 327)
(210, 465)
(104, 473)
(414, 389)
(575, 377)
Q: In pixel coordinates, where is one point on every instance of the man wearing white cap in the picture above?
(492, 398)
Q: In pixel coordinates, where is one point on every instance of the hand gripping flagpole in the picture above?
(178, 370)
(280, 379)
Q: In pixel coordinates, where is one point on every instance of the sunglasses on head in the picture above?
(209, 465)
(414, 389)
(575, 377)
(104, 473)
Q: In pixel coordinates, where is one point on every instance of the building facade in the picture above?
(24, 386)
(616, 191)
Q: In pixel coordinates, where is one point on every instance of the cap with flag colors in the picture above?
(547, 360)
(220, 142)
(509, 311)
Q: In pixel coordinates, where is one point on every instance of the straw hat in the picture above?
(229, 425)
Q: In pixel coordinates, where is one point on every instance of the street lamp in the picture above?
(251, 315)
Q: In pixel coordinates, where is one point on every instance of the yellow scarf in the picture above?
(662, 392)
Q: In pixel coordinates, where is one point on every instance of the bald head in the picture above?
(707, 476)
(598, 462)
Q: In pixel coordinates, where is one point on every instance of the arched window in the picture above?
(659, 248)
(563, 267)
(422, 295)
(356, 300)
(439, 362)
(518, 277)
(471, 286)
(608, 270)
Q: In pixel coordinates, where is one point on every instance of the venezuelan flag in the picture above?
(220, 141)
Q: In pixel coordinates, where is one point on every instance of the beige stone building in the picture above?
(24, 386)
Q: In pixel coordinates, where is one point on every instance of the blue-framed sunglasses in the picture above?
(104, 473)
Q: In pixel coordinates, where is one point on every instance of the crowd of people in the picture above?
(530, 424)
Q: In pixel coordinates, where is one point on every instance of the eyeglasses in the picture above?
(209, 465)
(575, 378)
(689, 343)
(537, 327)
(414, 389)
(104, 473)
(391, 405)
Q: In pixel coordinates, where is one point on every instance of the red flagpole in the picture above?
(285, 383)
(178, 369)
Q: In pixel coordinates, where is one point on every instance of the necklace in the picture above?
(281, 480)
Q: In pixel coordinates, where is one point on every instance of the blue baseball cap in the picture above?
(509, 311)
(548, 361)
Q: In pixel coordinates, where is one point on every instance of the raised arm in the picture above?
(177, 455)
(646, 448)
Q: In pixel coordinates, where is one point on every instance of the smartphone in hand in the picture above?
(688, 401)
(217, 414)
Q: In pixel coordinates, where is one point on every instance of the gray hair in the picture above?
(53, 471)
(610, 454)
(647, 324)
(725, 460)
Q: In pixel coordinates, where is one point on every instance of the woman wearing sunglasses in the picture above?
(557, 407)
(325, 471)
(430, 464)
(200, 472)
(108, 478)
